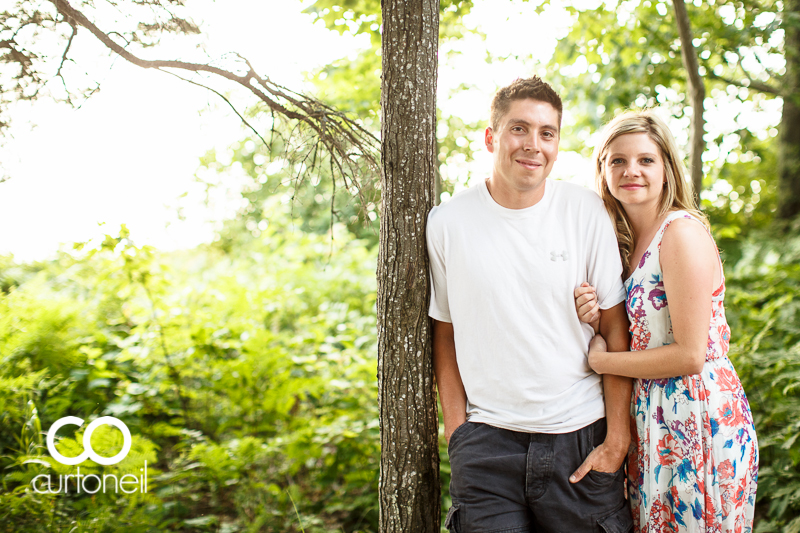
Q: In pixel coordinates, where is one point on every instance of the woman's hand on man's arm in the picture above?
(587, 306)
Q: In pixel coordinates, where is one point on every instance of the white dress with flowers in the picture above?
(695, 467)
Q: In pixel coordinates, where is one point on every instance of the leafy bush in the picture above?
(246, 376)
(763, 307)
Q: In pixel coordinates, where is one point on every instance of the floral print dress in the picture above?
(695, 466)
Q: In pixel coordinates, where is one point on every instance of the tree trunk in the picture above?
(789, 140)
(697, 91)
(409, 490)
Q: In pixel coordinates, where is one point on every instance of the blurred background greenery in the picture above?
(246, 368)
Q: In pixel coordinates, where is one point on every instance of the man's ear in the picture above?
(488, 137)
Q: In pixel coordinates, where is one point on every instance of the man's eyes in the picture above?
(520, 129)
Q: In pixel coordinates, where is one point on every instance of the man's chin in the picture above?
(532, 180)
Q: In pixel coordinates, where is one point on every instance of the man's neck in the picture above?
(513, 199)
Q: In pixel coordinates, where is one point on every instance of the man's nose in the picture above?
(531, 144)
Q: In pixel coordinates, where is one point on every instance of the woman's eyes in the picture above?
(646, 160)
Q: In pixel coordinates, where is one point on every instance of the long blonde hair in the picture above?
(677, 193)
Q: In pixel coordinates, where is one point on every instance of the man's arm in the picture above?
(608, 457)
(448, 378)
(617, 389)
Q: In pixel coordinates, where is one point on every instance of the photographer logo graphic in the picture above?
(129, 483)
(88, 452)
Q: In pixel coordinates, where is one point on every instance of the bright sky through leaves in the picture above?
(131, 151)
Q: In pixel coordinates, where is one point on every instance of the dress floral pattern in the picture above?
(695, 467)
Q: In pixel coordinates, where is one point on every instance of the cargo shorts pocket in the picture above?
(462, 430)
(451, 523)
(620, 521)
(607, 478)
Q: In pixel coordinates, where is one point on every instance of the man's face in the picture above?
(524, 146)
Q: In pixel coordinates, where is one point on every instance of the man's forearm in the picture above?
(448, 379)
(617, 389)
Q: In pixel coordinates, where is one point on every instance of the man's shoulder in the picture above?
(576, 197)
(461, 204)
(571, 191)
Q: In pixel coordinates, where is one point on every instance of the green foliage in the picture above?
(246, 369)
(273, 181)
(620, 54)
(744, 197)
(354, 83)
(628, 54)
(763, 307)
(364, 17)
(247, 379)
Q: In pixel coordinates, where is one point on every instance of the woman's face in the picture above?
(634, 171)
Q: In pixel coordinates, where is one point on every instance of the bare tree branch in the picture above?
(697, 91)
(244, 120)
(748, 83)
(66, 51)
(353, 149)
(64, 60)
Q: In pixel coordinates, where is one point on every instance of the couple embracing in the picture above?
(574, 333)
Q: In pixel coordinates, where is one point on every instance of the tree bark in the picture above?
(789, 140)
(697, 91)
(409, 490)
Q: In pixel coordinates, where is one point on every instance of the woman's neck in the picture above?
(644, 223)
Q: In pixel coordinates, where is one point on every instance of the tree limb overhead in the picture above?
(353, 148)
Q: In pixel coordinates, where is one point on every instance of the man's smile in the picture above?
(528, 163)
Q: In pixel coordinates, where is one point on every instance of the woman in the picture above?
(695, 465)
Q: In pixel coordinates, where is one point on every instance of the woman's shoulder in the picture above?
(689, 254)
(681, 225)
(679, 216)
(684, 219)
(685, 234)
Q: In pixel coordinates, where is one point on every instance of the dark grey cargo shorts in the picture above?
(511, 482)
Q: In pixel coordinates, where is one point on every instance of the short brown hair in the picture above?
(521, 89)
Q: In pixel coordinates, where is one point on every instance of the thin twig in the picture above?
(354, 150)
(221, 96)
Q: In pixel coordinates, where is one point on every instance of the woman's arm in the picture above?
(689, 263)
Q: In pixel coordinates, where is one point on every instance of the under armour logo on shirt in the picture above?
(564, 255)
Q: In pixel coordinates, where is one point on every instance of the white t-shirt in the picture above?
(505, 279)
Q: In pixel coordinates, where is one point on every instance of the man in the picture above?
(524, 414)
